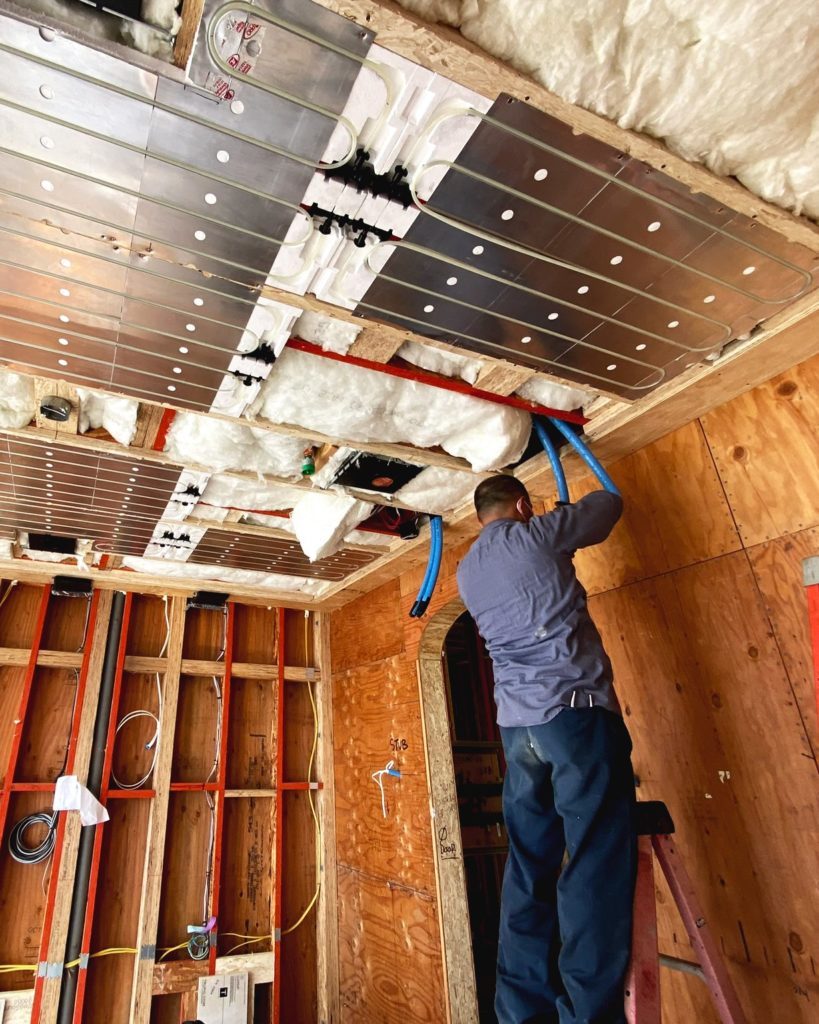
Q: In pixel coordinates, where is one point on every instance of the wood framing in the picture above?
(459, 967)
(155, 853)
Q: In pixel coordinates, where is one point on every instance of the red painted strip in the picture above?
(168, 417)
(48, 918)
(221, 779)
(17, 735)
(32, 787)
(813, 619)
(195, 787)
(299, 786)
(444, 383)
(131, 794)
(99, 829)
(277, 905)
(642, 1002)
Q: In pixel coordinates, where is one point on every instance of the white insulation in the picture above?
(243, 577)
(219, 445)
(322, 521)
(365, 405)
(17, 402)
(725, 83)
(554, 396)
(116, 415)
(448, 364)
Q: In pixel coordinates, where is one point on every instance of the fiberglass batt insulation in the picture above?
(321, 522)
(116, 415)
(727, 83)
(220, 445)
(346, 401)
(17, 402)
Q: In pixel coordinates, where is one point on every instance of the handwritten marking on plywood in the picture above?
(766, 446)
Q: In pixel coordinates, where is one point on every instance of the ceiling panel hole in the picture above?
(64, 319)
(47, 142)
(641, 346)
(190, 327)
(210, 199)
(477, 250)
(525, 339)
(709, 298)
(507, 214)
(183, 349)
(65, 262)
(552, 316)
(198, 302)
(222, 156)
(612, 366)
(62, 341)
(46, 92)
(134, 469)
(673, 323)
(199, 235)
(62, 362)
(540, 174)
(47, 185)
(615, 260)
(428, 308)
(171, 387)
(65, 292)
(583, 289)
(237, 107)
(177, 369)
(451, 281)
(748, 271)
(655, 225)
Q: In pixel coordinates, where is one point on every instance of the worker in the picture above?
(565, 930)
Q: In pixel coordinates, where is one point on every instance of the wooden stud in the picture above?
(174, 976)
(191, 17)
(329, 1011)
(503, 378)
(155, 853)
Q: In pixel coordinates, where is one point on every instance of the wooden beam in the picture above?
(73, 826)
(503, 378)
(155, 853)
(183, 46)
(448, 53)
(149, 583)
(19, 656)
(329, 991)
(240, 670)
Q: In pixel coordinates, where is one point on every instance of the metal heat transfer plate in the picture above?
(139, 215)
(49, 487)
(560, 253)
(269, 554)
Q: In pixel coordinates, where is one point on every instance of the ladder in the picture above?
(654, 830)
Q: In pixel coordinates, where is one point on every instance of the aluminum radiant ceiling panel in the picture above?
(140, 215)
(270, 554)
(558, 252)
(50, 487)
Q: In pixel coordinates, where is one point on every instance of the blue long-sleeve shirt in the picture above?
(519, 584)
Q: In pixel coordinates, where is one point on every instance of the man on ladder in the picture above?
(565, 933)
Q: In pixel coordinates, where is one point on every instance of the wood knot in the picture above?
(753, 652)
(795, 942)
(678, 687)
(787, 388)
(716, 700)
(739, 453)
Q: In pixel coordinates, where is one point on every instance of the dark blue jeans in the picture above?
(565, 935)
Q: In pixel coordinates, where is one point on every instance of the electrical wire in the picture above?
(132, 716)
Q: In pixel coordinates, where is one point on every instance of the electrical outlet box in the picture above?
(223, 999)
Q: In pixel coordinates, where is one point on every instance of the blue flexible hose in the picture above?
(583, 451)
(554, 459)
(433, 567)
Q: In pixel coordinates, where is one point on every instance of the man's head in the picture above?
(502, 497)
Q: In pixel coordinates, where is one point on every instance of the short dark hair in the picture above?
(497, 492)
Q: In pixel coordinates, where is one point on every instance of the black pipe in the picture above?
(79, 899)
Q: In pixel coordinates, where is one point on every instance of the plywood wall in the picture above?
(699, 598)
